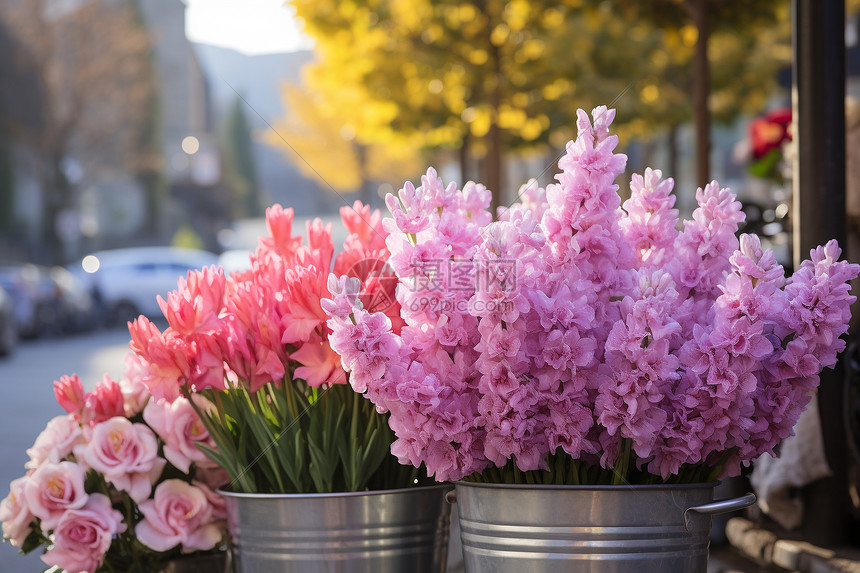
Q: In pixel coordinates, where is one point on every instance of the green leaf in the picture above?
(34, 539)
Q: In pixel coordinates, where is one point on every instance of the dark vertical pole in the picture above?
(700, 9)
(819, 215)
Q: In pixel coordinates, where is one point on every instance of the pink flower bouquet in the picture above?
(117, 483)
(579, 341)
(254, 346)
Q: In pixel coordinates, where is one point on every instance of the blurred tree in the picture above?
(240, 168)
(487, 76)
(10, 99)
(318, 136)
(721, 33)
(20, 97)
(92, 60)
(149, 166)
(7, 189)
(481, 76)
(186, 237)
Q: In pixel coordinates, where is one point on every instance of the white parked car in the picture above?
(127, 282)
(233, 260)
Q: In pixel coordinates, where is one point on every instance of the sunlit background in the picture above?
(162, 122)
(252, 27)
(172, 125)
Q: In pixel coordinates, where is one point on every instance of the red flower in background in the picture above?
(770, 131)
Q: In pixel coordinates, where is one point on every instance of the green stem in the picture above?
(354, 441)
(622, 464)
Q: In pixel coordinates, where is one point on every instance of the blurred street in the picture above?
(27, 402)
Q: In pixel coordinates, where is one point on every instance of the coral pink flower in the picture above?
(127, 455)
(195, 306)
(134, 391)
(178, 513)
(52, 489)
(320, 249)
(207, 360)
(365, 228)
(181, 429)
(306, 286)
(15, 513)
(280, 242)
(69, 392)
(166, 358)
(56, 441)
(83, 536)
(103, 403)
(319, 364)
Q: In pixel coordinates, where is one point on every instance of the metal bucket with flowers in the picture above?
(312, 484)
(585, 370)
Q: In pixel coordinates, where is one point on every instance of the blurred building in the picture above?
(259, 78)
(20, 97)
(108, 202)
(190, 147)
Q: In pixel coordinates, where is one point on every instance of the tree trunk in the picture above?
(493, 167)
(493, 161)
(701, 91)
(365, 191)
(56, 196)
(672, 150)
(464, 159)
(492, 85)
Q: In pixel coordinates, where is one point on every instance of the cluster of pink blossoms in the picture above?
(97, 482)
(256, 325)
(573, 322)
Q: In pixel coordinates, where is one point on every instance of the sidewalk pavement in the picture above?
(728, 559)
(764, 547)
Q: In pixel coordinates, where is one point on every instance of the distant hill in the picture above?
(258, 79)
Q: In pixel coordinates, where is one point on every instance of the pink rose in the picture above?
(127, 455)
(83, 536)
(15, 513)
(55, 442)
(178, 513)
(214, 477)
(53, 489)
(103, 403)
(181, 429)
(69, 392)
(218, 503)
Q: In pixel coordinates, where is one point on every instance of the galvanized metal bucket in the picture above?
(391, 531)
(598, 529)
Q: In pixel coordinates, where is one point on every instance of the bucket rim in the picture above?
(338, 494)
(621, 487)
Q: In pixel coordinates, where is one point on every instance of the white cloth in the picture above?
(801, 462)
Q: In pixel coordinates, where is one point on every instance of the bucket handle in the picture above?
(722, 506)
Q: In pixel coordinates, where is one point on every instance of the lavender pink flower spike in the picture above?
(575, 325)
